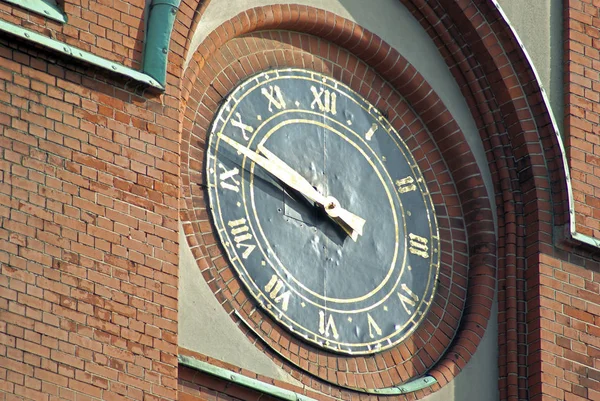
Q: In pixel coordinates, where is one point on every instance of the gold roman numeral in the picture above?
(418, 246)
(228, 180)
(327, 328)
(324, 99)
(244, 127)
(406, 185)
(407, 298)
(369, 134)
(240, 231)
(274, 287)
(274, 97)
(373, 326)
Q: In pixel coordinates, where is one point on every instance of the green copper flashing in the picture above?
(78, 54)
(284, 394)
(242, 380)
(161, 17)
(47, 8)
(408, 387)
(158, 35)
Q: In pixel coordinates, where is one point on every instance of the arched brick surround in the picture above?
(524, 158)
(522, 152)
(245, 56)
(461, 166)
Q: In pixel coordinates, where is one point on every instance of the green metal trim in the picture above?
(78, 54)
(408, 387)
(241, 379)
(47, 8)
(270, 389)
(161, 17)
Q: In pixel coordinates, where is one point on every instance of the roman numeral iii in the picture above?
(418, 245)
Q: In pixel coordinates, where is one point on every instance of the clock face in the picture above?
(322, 211)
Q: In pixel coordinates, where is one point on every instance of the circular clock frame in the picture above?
(426, 350)
(356, 296)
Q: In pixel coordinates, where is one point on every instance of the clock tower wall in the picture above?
(118, 280)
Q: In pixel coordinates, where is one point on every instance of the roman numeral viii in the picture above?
(275, 288)
(241, 236)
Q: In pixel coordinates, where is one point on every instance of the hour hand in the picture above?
(351, 223)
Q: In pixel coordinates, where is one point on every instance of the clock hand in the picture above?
(350, 222)
(301, 184)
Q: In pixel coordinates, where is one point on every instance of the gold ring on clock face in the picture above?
(322, 211)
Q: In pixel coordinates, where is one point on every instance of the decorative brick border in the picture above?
(241, 57)
(409, 83)
(193, 9)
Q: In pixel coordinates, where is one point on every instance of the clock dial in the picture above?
(322, 211)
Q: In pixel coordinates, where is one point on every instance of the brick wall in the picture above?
(582, 116)
(564, 300)
(568, 350)
(88, 234)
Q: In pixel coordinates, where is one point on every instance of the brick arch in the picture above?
(407, 81)
(524, 155)
(501, 148)
(192, 11)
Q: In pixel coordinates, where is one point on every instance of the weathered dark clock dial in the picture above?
(299, 262)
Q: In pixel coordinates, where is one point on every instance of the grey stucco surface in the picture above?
(474, 383)
(394, 24)
(205, 327)
(539, 25)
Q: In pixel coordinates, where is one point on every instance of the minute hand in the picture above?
(350, 222)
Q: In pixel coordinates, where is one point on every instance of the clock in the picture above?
(322, 211)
